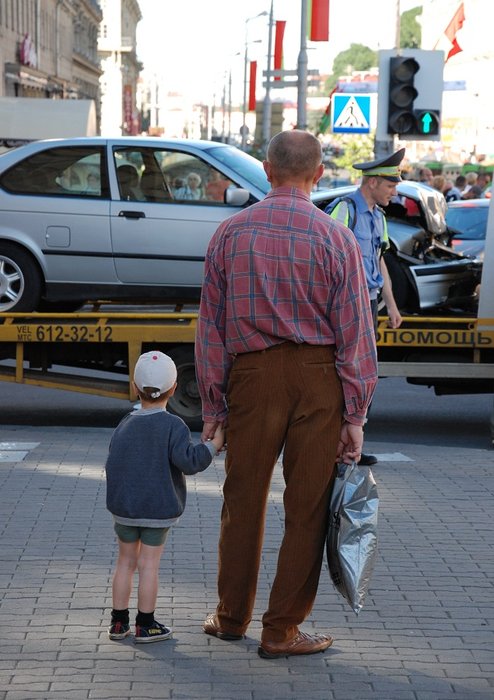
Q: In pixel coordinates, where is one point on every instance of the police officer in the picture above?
(361, 212)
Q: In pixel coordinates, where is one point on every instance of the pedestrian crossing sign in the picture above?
(351, 114)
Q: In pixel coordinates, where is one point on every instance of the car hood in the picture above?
(431, 203)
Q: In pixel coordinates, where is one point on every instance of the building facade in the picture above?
(49, 49)
(118, 54)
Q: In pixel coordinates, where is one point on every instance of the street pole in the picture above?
(397, 26)
(244, 105)
(229, 137)
(223, 110)
(246, 57)
(302, 72)
(266, 112)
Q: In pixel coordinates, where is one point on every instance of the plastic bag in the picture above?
(351, 544)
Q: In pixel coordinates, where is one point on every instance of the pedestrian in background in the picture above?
(439, 183)
(460, 183)
(361, 211)
(470, 180)
(286, 354)
(474, 192)
(450, 191)
(150, 451)
(484, 181)
(425, 176)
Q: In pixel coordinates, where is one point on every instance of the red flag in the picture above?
(326, 117)
(453, 28)
(448, 40)
(252, 85)
(319, 20)
(278, 46)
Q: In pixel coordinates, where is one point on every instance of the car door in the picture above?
(57, 205)
(161, 230)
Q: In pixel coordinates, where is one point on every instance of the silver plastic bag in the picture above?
(351, 544)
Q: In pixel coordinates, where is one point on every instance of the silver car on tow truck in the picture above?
(92, 219)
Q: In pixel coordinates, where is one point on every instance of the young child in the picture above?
(150, 451)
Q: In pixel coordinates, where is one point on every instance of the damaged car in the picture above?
(427, 275)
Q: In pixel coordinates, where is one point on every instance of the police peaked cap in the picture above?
(388, 167)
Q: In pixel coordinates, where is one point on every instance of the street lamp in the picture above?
(227, 100)
(229, 138)
(244, 107)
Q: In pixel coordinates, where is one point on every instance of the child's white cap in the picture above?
(155, 370)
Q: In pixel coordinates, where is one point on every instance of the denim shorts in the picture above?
(152, 536)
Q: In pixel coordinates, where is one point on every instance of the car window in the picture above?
(161, 175)
(244, 165)
(61, 172)
(468, 222)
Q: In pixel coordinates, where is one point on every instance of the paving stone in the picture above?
(425, 632)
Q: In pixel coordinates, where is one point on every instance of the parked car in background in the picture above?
(467, 224)
(96, 219)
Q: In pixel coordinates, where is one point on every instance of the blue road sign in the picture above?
(351, 114)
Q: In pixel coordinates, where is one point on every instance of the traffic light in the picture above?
(410, 94)
(401, 95)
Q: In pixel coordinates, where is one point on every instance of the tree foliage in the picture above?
(410, 29)
(357, 148)
(357, 57)
(360, 58)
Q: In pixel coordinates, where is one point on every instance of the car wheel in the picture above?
(186, 401)
(402, 289)
(20, 279)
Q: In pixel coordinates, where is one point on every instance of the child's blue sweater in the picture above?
(150, 451)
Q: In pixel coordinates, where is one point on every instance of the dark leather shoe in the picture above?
(302, 644)
(367, 460)
(211, 626)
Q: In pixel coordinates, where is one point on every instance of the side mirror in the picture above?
(236, 196)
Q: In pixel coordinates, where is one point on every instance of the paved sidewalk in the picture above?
(425, 633)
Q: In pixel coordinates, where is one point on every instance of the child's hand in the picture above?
(218, 438)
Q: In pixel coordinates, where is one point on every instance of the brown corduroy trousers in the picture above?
(285, 399)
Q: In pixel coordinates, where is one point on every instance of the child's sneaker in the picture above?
(119, 630)
(154, 633)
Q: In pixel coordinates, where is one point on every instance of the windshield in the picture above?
(244, 165)
(468, 222)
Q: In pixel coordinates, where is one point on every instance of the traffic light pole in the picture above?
(302, 71)
(384, 144)
(382, 149)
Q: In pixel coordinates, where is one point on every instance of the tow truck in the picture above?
(95, 351)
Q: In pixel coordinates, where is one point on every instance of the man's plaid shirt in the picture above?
(283, 270)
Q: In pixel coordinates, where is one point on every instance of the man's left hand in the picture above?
(394, 318)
